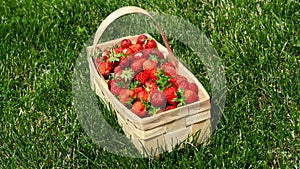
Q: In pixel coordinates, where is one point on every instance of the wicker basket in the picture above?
(161, 132)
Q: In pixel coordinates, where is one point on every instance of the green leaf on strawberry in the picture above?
(153, 110)
(180, 99)
(162, 80)
(146, 104)
(127, 74)
(133, 84)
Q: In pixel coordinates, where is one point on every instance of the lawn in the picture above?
(257, 41)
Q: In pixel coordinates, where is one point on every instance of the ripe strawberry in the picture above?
(150, 44)
(124, 62)
(141, 39)
(113, 82)
(169, 70)
(170, 95)
(115, 90)
(125, 43)
(97, 61)
(180, 78)
(126, 75)
(149, 64)
(173, 81)
(193, 86)
(136, 56)
(117, 69)
(136, 47)
(138, 108)
(183, 84)
(142, 95)
(168, 64)
(105, 54)
(152, 75)
(138, 89)
(142, 77)
(150, 86)
(153, 53)
(124, 96)
(118, 50)
(190, 96)
(137, 65)
(158, 99)
(127, 51)
(147, 52)
(158, 54)
(104, 69)
(170, 107)
(132, 94)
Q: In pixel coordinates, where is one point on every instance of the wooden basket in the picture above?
(161, 132)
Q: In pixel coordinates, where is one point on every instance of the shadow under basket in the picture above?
(160, 132)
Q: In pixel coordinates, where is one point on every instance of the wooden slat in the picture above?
(197, 117)
(175, 137)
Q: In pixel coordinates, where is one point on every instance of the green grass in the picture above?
(258, 42)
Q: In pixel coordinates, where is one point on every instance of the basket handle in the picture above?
(131, 10)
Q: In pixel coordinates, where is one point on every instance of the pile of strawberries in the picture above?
(143, 79)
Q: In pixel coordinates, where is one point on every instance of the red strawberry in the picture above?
(118, 50)
(152, 76)
(124, 62)
(136, 47)
(183, 84)
(142, 95)
(127, 51)
(147, 52)
(104, 69)
(115, 90)
(117, 69)
(150, 86)
(135, 56)
(125, 43)
(138, 108)
(150, 44)
(153, 52)
(117, 75)
(105, 54)
(169, 70)
(132, 94)
(138, 89)
(142, 77)
(168, 64)
(124, 96)
(141, 39)
(180, 78)
(97, 61)
(193, 86)
(190, 96)
(170, 107)
(105, 58)
(170, 95)
(173, 81)
(137, 65)
(158, 99)
(158, 54)
(149, 64)
(110, 83)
